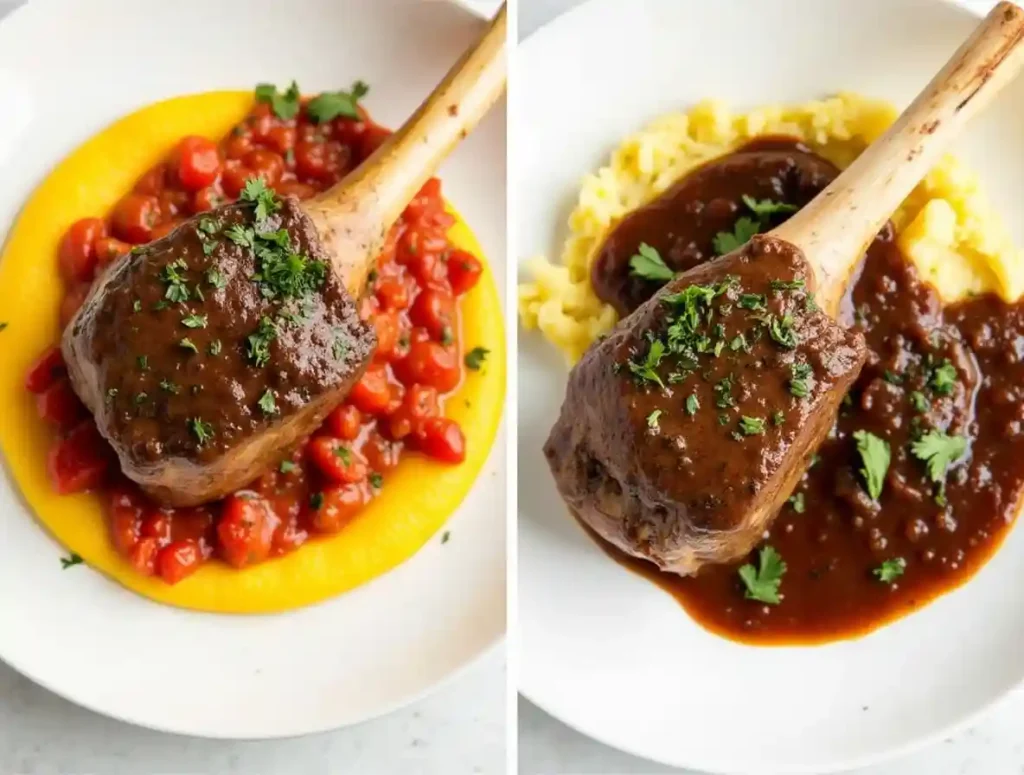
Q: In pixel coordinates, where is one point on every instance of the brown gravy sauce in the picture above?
(837, 537)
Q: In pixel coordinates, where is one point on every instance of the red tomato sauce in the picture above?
(397, 406)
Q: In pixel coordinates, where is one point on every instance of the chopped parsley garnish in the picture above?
(143, 362)
(728, 241)
(475, 358)
(71, 560)
(723, 393)
(943, 378)
(282, 273)
(216, 278)
(286, 467)
(194, 321)
(285, 105)
(340, 347)
(241, 235)
(752, 426)
(782, 331)
(169, 386)
(140, 398)
(787, 285)
(778, 418)
(214, 347)
(203, 431)
(136, 305)
(267, 402)
(762, 583)
(798, 502)
(330, 105)
(739, 342)
(376, 480)
(177, 291)
(647, 263)
(255, 192)
(890, 570)
(798, 383)
(188, 344)
(645, 370)
(652, 419)
(258, 342)
(919, 401)
(316, 500)
(753, 301)
(207, 225)
(445, 536)
(692, 404)
(874, 454)
(767, 207)
(939, 451)
(892, 377)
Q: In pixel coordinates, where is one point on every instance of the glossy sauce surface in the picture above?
(832, 535)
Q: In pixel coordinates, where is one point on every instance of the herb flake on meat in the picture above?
(890, 570)
(648, 264)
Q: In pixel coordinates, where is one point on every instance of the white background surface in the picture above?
(460, 729)
(548, 747)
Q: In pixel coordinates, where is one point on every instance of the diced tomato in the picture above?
(349, 130)
(392, 293)
(238, 145)
(58, 405)
(178, 560)
(442, 439)
(265, 164)
(73, 301)
(79, 461)
(434, 310)
(246, 529)
(157, 526)
(196, 162)
(464, 270)
(381, 454)
(174, 203)
(288, 538)
(125, 521)
(336, 507)
(389, 327)
(78, 249)
(372, 139)
(48, 368)
(153, 182)
(322, 160)
(295, 188)
(207, 199)
(135, 217)
(281, 139)
(371, 393)
(337, 460)
(143, 556)
(430, 363)
(427, 200)
(420, 402)
(344, 422)
(233, 179)
(109, 250)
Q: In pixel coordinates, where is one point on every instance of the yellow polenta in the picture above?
(947, 226)
(418, 496)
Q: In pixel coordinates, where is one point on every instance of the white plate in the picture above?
(606, 651)
(75, 67)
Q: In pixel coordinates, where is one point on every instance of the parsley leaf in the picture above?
(475, 358)
(943, 378)
(194, 321)
(71, 560)
(316, 500)
(782, 331)
(692, 404)
(647, 264)
(874, 454)
(267, 402)
(285, 105)
(652, 419)
(203, 431)
(762, 583)
(798, 384)
(188, 344)
(259, 342)
(177, 291)
(787, 285)
(330, 105)
(646, 369)
(939, 451)
(286, 467)
(767, 207)
(256, 192)
(723, 393)
(753, 301)
(890, 570)
(744, 228)
(214, 348)
(376, 480)
(798, 502)
(919, 401)
(216, 278)
(752, 426)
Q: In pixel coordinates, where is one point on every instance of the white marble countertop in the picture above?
(548, 747)
(458, 730)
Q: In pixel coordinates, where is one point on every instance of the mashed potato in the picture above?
(947, 226)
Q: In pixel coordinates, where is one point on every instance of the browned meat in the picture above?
(684, 431)
(205, 355)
